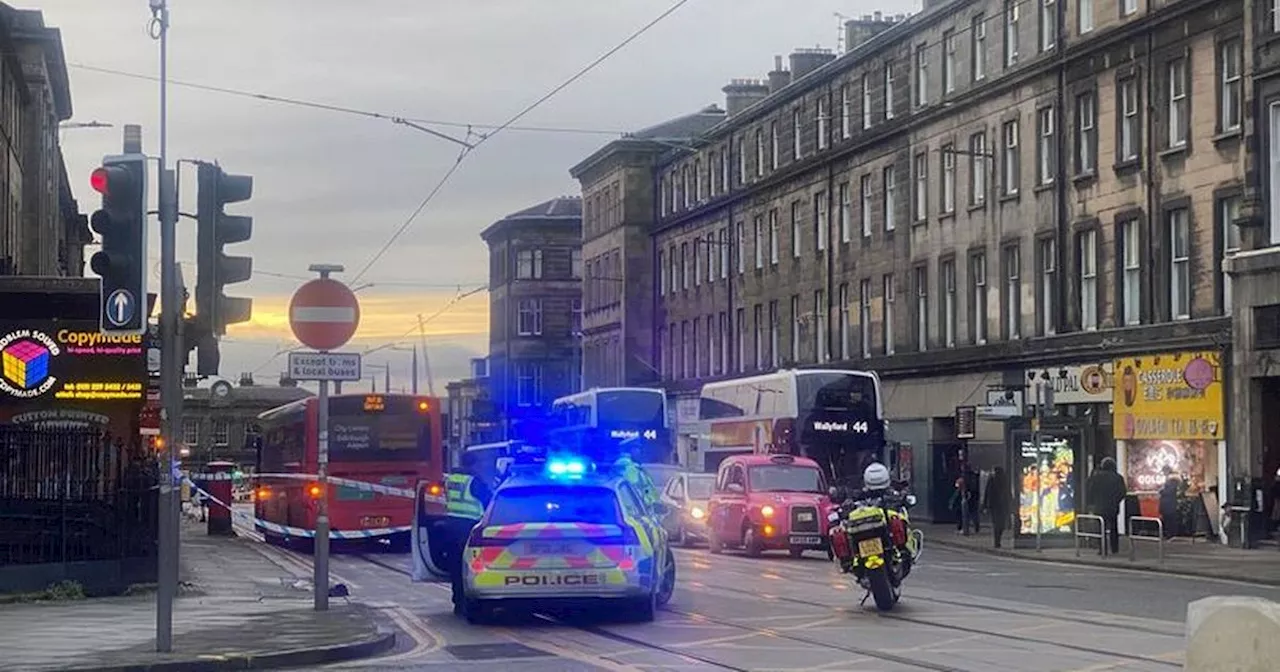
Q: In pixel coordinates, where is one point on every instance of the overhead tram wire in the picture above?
(510, 124)
(341, 109)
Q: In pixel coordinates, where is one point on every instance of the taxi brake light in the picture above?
(263, 493)
(435, 490)
(314, 490)
(424, 406)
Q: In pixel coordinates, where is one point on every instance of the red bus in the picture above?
(387, 439)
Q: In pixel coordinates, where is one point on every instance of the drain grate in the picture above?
(494, 651)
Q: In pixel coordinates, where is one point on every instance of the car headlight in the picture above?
(697, 513)
(766, 511)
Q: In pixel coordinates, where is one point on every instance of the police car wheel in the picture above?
(644, 610)
(476, 612)
(667, 587)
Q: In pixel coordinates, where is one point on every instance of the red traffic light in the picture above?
(99, 180)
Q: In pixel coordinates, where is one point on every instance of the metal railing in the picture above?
(1134, 537)
(1100, 535)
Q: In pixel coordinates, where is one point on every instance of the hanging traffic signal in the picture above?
(216, 229)
(122, 224)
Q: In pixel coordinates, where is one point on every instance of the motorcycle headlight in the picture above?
(697, 513)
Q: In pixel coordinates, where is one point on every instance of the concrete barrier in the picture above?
(1233, 634)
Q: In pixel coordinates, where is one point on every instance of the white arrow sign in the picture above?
(120, 306)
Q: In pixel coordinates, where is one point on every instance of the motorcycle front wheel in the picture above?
(882, 589)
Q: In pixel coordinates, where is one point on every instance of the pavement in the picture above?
(962, 611)
(1182, 556)
(242, 606)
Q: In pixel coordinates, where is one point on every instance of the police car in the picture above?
(566, 535)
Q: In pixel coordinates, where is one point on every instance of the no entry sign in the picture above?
(324, 314)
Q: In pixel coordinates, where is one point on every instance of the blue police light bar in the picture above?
(566, 467)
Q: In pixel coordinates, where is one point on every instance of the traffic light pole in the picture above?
(170, 361)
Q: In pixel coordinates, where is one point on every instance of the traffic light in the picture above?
(122, 223)
(214, 269)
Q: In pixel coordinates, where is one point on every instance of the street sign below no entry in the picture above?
(324, 314)
(324, 365)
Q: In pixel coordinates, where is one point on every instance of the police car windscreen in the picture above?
(554, 504)
(700, 487)
(785, 478)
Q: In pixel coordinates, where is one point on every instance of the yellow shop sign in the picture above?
(1175, 395)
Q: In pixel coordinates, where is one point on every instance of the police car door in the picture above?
(634, 508)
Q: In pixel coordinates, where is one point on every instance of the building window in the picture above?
(949, 61)
(1228, 212)
(741, 316)
(890, 196)
(742, 246)
(664, 274)
(758, 227)
(820, 329)
(773, 237)
(724, 169)
(1048, 286)
(1086, 134)
(1128, 7)
(724, 253)
(1011, 158)
(1089, 280)
(1179, 264)
(1045, 149)
(948, 179)
(575, 323)
(712, 163)
(684, 266)
(698, 247)
(742, 160)
(920, 202)
(686, 351)
(1011, 32)
(922, 76)
(821, 227)
(530, 321)
(948, 273)
(978, 287)
(1048, 24)
(795, 328)
(1013, 292)
(864, 316)
(843, 334)
(220, 432)
(888, 91)
(978, 166)
(675, 271)
(1179, 107)
(723, 335)
(823, 116)
(864, 185)
(686, 186)
(795, 229)
(709, 258)
(775, 155)
(191, 431)
(797, 133)
(922, 308)
(845, 207)
(697, 180)
(1231, 96)
(775, 350)
(890, 289)
(866, 102)
(846, 109)
(978, 47)
(760, 156)
(529, 264)
(664, 354)
(1130, 128)
(1131, 273)
(1084, 16)
(575, 263)
(757, 337)
(528, 384)
(696, 369)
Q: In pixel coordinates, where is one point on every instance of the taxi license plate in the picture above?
(805, 540)
(375, 521)
(805, 517)
(870, 547)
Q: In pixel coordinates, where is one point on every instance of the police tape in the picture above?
(290, 531)
(345, 482)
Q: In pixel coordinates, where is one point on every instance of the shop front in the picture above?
(1171, 448)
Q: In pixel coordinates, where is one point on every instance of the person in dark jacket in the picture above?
(996, 500)
(1106, 490)
(1170, 517)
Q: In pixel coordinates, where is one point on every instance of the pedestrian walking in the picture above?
(996, 500)
(1106, 490)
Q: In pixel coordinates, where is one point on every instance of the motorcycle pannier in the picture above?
(840, 546)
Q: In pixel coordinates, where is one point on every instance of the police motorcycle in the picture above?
(872, 537)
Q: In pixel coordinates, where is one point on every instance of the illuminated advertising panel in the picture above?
(67, 373)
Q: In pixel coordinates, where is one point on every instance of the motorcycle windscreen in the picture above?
(428, 553)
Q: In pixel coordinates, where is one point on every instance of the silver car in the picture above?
(686, 496)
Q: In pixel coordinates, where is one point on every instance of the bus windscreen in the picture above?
(390, 437)
(630, 408)
(855, 395)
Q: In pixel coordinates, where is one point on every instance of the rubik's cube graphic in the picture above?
(26, 363)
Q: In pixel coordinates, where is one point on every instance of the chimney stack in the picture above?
(780, 77)
(740, 94)
(858, 32)
(805, 61)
